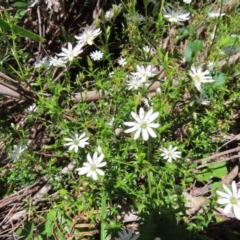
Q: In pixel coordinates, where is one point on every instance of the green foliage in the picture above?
(218, 170)
(10, 26)
(137, 177)
(192, 50)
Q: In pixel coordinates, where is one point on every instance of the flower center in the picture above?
(76, 142)
(169, 154)
(233, 201)
(71, 56)
(196, 78)
(93, 167)
(143, 125)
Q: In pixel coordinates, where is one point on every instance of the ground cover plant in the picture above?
(119, 120)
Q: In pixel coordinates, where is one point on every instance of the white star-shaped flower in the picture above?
(143, 124)
(199, 76)
(89, 34)
(96, 55)
(68, 54)
(17, 150)
(215, 14)
(57, 62)
(170, 153)
(91, 167)
(231, 199)
(122, 61)
(176, 16)
(133, 82)
(202, 100)
(144, 73)
(42, 63)
(76, 141)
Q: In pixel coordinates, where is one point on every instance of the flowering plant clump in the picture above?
(150, 92)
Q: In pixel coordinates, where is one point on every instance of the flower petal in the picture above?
(83, 170)
(223, 194)
(227, 209)
(236, 210)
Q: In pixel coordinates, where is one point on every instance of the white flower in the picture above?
(215, 14)
(202, 100)
(122, 61)
(231, 199)
(113, 11)
(159, 91)
(76, 141)
(109, 14)
(42, 63)
(146, 49)
(198, 76)
(17, 150)
(91, 167)
(99, 150)
(176, 16)
(187, 1)
(70, 53)
(57, 62)
(133, 82)
(143, 124)
(88, 35)
(32, 107)
(111, 74)
(170, 153)
(144, 73)
(96, 55)
(127, 235)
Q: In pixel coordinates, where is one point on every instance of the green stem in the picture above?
(148, 173)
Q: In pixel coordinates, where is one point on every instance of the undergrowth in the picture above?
(129, 112)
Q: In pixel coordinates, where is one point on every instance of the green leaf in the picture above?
(215, 186)
(204, 176)
(19, 4)
(220, 79)
(63, 192)
(227, 41)
(189, 179)
(49, 228)
(26, 232)
(90, 63)
(196, 46)
(188, 53)
(60, 235)
(192, 50)
(220, 172)
(21, 31)
(52, 215)
(217, 165)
